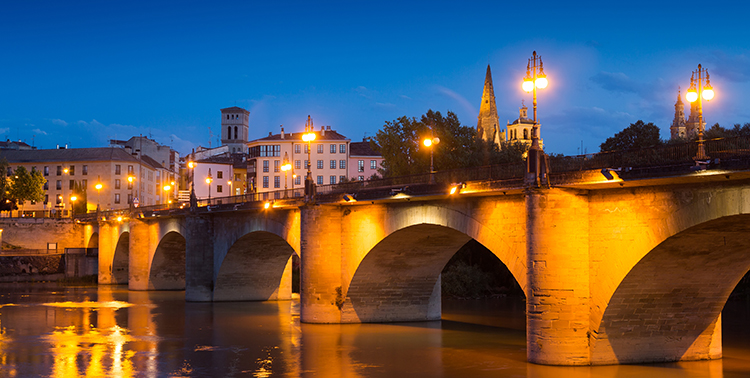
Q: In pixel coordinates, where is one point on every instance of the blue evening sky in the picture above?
(82, 73)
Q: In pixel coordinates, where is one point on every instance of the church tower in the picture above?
(487, 123)
(678, 128)
(691, 126)
(234, 129)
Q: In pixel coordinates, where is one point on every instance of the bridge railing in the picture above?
(671, 158)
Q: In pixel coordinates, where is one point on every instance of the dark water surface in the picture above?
(51, 331)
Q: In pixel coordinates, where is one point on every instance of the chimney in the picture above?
(282, 131)
(129, 149)
(270, 133)
(322, 131)
(328, 128)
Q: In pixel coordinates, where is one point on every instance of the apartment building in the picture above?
(329, 156)
(110, 166)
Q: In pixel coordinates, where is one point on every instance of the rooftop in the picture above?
(362, 149)
(70, 155)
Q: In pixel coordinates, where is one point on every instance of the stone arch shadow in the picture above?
(668, 306)
(257, 267)
(121, 259)
(167, 271)
(399, 278)
(93, 241)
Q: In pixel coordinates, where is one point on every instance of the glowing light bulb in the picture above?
(708, 94)
(691, 95)
(541, 82)
(528, 85)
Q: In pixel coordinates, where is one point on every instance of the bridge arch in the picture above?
(93, 241)
(256, 267)
(121, 259)
(167, 270)
(673, 297)
(253, 255)
(396, 267)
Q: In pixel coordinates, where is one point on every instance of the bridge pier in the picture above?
(199, 259)
(557, 316)
(140, 255)
(322, 291)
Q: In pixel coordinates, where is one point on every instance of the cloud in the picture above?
(39, 132)
(4, 130)
(405, 97)
(616, 82)
(59, 122)
(732, 67)
(386, 105)
(364, 92)
(461, 100)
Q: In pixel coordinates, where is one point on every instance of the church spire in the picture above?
(487, 123)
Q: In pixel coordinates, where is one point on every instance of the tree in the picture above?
(26, 186)
(717, 131)
(400, 144)
(637, 135)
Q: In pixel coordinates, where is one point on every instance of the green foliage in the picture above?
(5, 183)
(465, 281)
(400, 143)
(637, 135)
(475, 272)
(716, 131)
(26, 186)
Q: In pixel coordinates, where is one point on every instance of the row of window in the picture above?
(298, 180)
(84, 184)
(321, 163)
(71, 170)
(341, 148)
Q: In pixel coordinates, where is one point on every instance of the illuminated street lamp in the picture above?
(98, 187)
(706, 92)
(430, 143)
(209, 179)
(286, 167)
(535, 78)
(131, 178)
(308, 137)
(166, 193)
(73, 200)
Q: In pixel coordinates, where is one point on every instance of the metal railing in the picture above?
(669, 159)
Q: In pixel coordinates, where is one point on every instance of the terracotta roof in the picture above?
(362, 149)
(329, 135)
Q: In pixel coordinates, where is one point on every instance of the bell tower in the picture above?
(234, 129)
(678, 128)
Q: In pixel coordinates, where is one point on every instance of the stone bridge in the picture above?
(614, 271)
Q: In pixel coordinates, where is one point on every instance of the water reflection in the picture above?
(109, 331)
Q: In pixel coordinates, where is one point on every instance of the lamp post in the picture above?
(308, 137)
(535, 78)
(131, 178)
(98, 187)
(430, 143)
(286, 167)
(166, 193)
(209, 179)
(191, 179)
(73, 200)
(706, 92)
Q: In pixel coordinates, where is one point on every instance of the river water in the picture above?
(52, 331)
